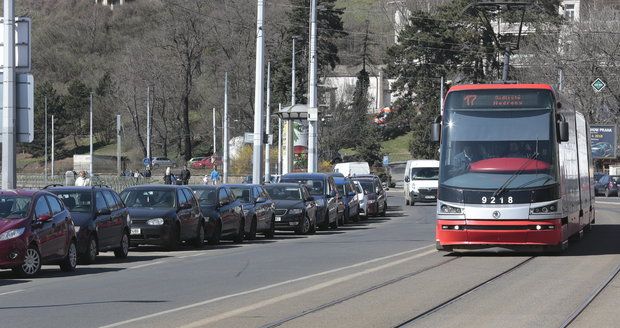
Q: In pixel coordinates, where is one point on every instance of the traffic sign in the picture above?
(598, 85)
(22, 44)
(146, 161)
(24, 107)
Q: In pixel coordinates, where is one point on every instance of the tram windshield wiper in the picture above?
(504, 186)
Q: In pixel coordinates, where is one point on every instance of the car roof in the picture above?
(155, 187)
(77, 188)
(19, 192)
(203, 187)
(283, 184)
(243, 185)
(304, 176)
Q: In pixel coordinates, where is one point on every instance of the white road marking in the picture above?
(606, 203)
(145, 265)
(186, 256)
(12, 292)
(229, 314)
(213, 300)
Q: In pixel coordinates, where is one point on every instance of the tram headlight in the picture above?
(444, 208)
(551, 208)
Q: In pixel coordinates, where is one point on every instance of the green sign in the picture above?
(598, 85)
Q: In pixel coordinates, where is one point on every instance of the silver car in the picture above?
(162, 161)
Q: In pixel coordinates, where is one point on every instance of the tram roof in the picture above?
(465, 87)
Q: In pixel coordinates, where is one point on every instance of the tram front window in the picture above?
(481, 149)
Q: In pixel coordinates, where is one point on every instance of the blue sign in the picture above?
(603, 138)
(146, 161)
(386, 160)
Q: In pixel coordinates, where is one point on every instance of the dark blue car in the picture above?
(351, 203)
(324, 192)
(258, 209)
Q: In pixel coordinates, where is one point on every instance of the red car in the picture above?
(207, 163)
(35, 228)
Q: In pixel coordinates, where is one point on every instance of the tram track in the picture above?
(356, 294)
(463, 294)
(591, 297)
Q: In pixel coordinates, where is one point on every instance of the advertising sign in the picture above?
(603, 138)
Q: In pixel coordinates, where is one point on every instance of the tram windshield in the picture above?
(491, 148)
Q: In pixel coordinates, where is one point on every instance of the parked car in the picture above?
(194, 160)
(101, 220)
(258, 209)
(164, 215)
(272, 179)
(349, 196)
(323, 189)
(207, 163)
(222, 211)
(607, 185)
(295, 208)
(35, 229)
(361, 197)
(162, 162)
(376, 198)
(349, 169)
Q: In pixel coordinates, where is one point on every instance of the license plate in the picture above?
(135, 231)
(429, 197)
(278, 218)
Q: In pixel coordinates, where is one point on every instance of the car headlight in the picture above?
(551, 208)
(371, 201)
(295, 211)
(207, 219)
(77, 229)
(450, 209)
(128, 220)
(13, 233)
(157, 221)
(320, 202)
(413, 187)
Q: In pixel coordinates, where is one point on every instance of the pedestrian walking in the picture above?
(169, 178)
(185, 175)
(215, 175)
(82, 180)
(205, 180)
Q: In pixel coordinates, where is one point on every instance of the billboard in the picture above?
(603, 138)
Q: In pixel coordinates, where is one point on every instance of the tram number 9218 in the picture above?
(497, 200)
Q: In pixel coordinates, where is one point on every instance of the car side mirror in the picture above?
(365, 192)
(332, 194)
(407, 179)
(185, 206)
(310, 198)
(261, 200)
(104, 211)
(44, 218)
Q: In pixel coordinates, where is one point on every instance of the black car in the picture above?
(222, 212)
(324, 191)
(258, 209)
(607, 185)
(101, 220)
(376, 203)
(295, 208)
(164, 215)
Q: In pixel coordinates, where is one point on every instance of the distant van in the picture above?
(421, 180)
(350, 169)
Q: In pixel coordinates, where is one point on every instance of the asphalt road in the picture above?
(383, 272)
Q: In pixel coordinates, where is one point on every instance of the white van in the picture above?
(350, 169)
(421, 180)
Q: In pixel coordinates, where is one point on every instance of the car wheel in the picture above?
(312, 227)
(325, 224)
(384, 209)
(199, 241)
(217, 235)
(334, 225)
(70, 261)
(606, 192)
(123, 250)
(32, 263)
(272, 229)
(406, 201)
(173, 241)
(91, 251)
(240, 233)
(304, 227)
(252, 234)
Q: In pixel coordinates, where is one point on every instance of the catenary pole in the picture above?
(258, 96)
(52, 161)
(214, 134)
(267, 125)
(92, 159)
(148, 123)
(279, 141)
(312, 99)
(225, 136)
(118, 145)
(9, 176)
(45, 139)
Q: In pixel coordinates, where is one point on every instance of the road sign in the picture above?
(386, 160)
(146, 161)
(248, 137)
(24, 107)
(22, 45)
(598, 85)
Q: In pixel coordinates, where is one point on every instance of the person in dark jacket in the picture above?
(185, 175)
(169, 178)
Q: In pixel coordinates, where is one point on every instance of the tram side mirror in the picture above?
(436, 129)
(562, 127)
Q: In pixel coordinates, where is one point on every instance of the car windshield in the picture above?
(206, 197)
(341, 189)
(315, 187)
(425, 173)
(284, 192)
(367, 185)
(242, 194)
(14, 207)
(148, 198)
(76, 201)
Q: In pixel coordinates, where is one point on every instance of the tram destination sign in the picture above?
(603, 138)
(500, 99)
